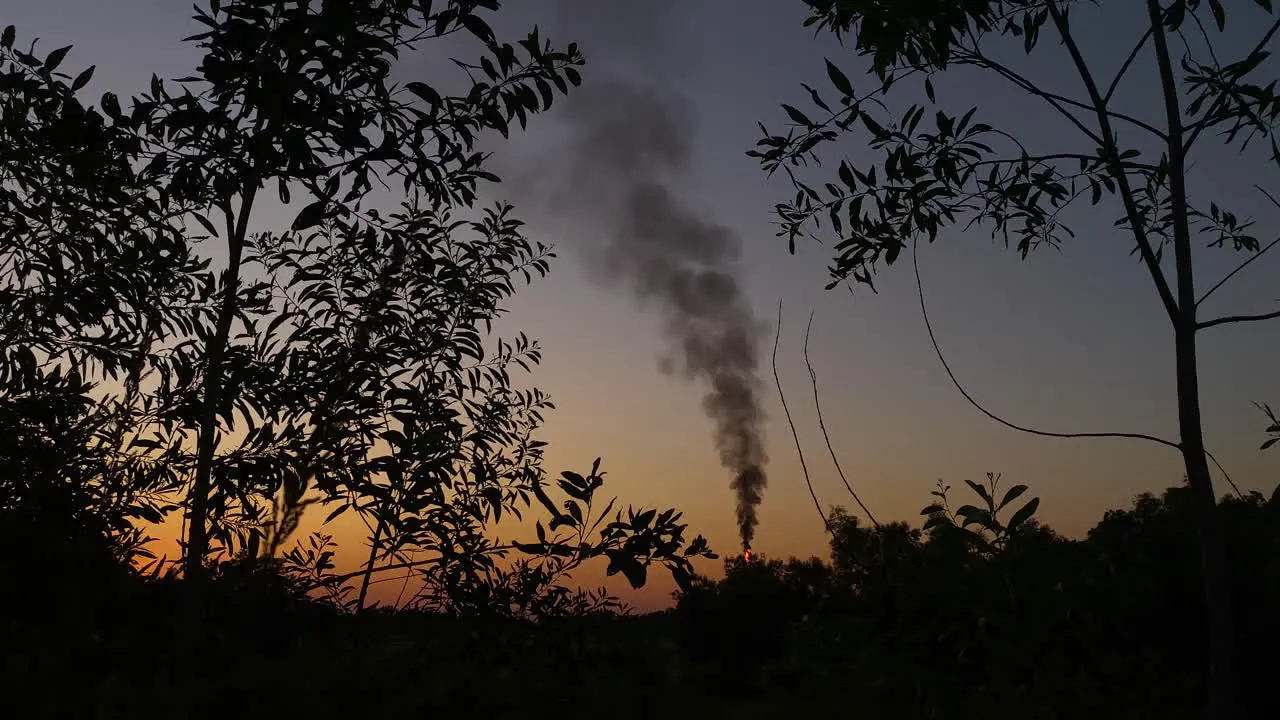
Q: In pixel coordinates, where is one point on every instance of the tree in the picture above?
(342, 362)
(956, 171)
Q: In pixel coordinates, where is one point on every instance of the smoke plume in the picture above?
(626, 144)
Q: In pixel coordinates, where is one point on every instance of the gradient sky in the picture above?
(1070, 341)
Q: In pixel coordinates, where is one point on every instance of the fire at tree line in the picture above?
(344, 366)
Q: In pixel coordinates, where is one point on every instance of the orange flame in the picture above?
(746, 555)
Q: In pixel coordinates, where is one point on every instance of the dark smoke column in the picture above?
(627, 143)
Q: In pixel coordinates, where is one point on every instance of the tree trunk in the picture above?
(1212, 549)
(198, 500)
(1217, 596)
(368, 566)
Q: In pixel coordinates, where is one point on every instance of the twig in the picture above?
(1252, 258)
(1237, 319)
(1111, 153)
(817, 404)
(1133, 54)
(795, 435)
(1225, 476)
(915, 262)
(1043, 433)
(408, 573)
(1239, 267)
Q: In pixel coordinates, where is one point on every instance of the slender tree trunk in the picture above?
(361, 618)
(197, 541)
(1212, 548)
(368, 565)
(198, 500)
(1217, 594)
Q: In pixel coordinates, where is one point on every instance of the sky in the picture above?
(1067, 341)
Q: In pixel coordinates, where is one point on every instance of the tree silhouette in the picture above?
(957, 171)
(166, 352)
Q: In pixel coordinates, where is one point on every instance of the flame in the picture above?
(746, 555)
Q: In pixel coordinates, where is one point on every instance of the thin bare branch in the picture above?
(1237, 319)
(1108, 144)
(1061, 102)
(1020, 428)
(1239, 267)
(1133, 54)
(1225, 475)
(795, 435)
(1054, 101)
(822, 425)
(1251, 259)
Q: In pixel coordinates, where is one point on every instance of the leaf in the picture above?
(424, 91)
(839, 79)
(846, 175)
(1024, 513)
(6, 39)
(204, 223)
(643, 519)
(681, 576)
(1219, 15)
(928, 89)
(310, 216)
(876, 128)
(82, 79)
(477, 27)
(980, 490)
(1269, 443)
(1014, 493)
(55, 58)
(634, 571)
(336, 513)
(797, 117)
(493, 494)
(110, 105)
(975, 516)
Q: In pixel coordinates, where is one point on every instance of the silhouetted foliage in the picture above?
(1273, 429)
(941, 624)
(342, 362)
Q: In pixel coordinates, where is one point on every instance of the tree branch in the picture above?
(1237, 319)
(1239, 267)
(795, 435)
(1246, 263)
(1133, 54)
(924, 310)
(1186, 298)
(1057, 101)
(1108, 145)
(1204, 123)
(817, 404)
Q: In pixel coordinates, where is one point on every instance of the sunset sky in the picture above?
(1070, 341)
